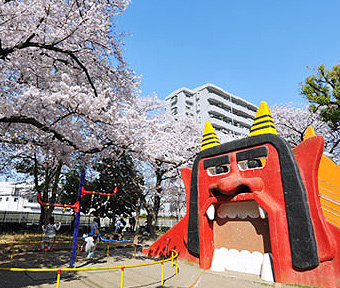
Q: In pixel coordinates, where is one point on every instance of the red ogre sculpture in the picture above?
(255, 197)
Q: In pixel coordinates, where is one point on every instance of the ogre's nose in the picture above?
(235, 184)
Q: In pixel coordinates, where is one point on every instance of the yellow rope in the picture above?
(174, 255)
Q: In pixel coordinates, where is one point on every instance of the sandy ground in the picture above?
(190, 275)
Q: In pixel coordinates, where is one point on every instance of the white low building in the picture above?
(18, 197)
(18, 204)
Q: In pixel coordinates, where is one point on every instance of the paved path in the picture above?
(189, 276)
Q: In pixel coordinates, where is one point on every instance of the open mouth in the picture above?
(241, 238)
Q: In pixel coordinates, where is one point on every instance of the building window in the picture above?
(0, 199)
(16, 191)
(7, 199)
(16, 199)
(174, 110)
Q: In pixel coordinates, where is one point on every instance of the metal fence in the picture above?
(161, 222)
(32, 218)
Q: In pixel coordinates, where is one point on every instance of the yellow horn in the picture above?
(309, 133)
(209, 137)
(263, 123)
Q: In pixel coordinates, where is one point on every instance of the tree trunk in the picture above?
(51, 178)
(149, 223)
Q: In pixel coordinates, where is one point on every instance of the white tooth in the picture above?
(211, 212)
(243, 214)
(227, 210)
(256, 263)
(267, 268)
(253, 211)
(263, 213)
(218, 260)
(243, 261)
(231, 210)
(230, 264)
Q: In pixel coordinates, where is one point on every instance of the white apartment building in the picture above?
(209, 103)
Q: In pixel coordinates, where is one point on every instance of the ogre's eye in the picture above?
(252, 159)
(218, 165)
(217, 170)
(252, 163)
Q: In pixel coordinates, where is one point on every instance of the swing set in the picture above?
(93, 193)
(76, 206)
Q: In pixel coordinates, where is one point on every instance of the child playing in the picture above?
(50, 230)
(91, 242)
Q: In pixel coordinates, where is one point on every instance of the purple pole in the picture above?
(77, 220)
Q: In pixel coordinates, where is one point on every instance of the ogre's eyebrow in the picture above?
(217, 161)
(252, 153)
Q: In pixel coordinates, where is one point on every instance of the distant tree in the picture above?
(323, 92)
(106, 175)
(175, 195)
(172, 145)
(118, 172)
(70, 187)
(291, 124)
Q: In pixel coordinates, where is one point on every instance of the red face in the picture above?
(236, 207)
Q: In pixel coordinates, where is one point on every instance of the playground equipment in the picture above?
(81, 192)
(77, 209)
(254, 206)
(93, 193)
(74, 207)
(329, 185)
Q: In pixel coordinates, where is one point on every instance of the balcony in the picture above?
(216, 110)
(229, 126)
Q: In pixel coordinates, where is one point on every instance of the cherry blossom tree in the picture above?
(160, 145)
(291, 124)
(63, 82)
(174, 144)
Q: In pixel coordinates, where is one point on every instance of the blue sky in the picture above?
(256, 49)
